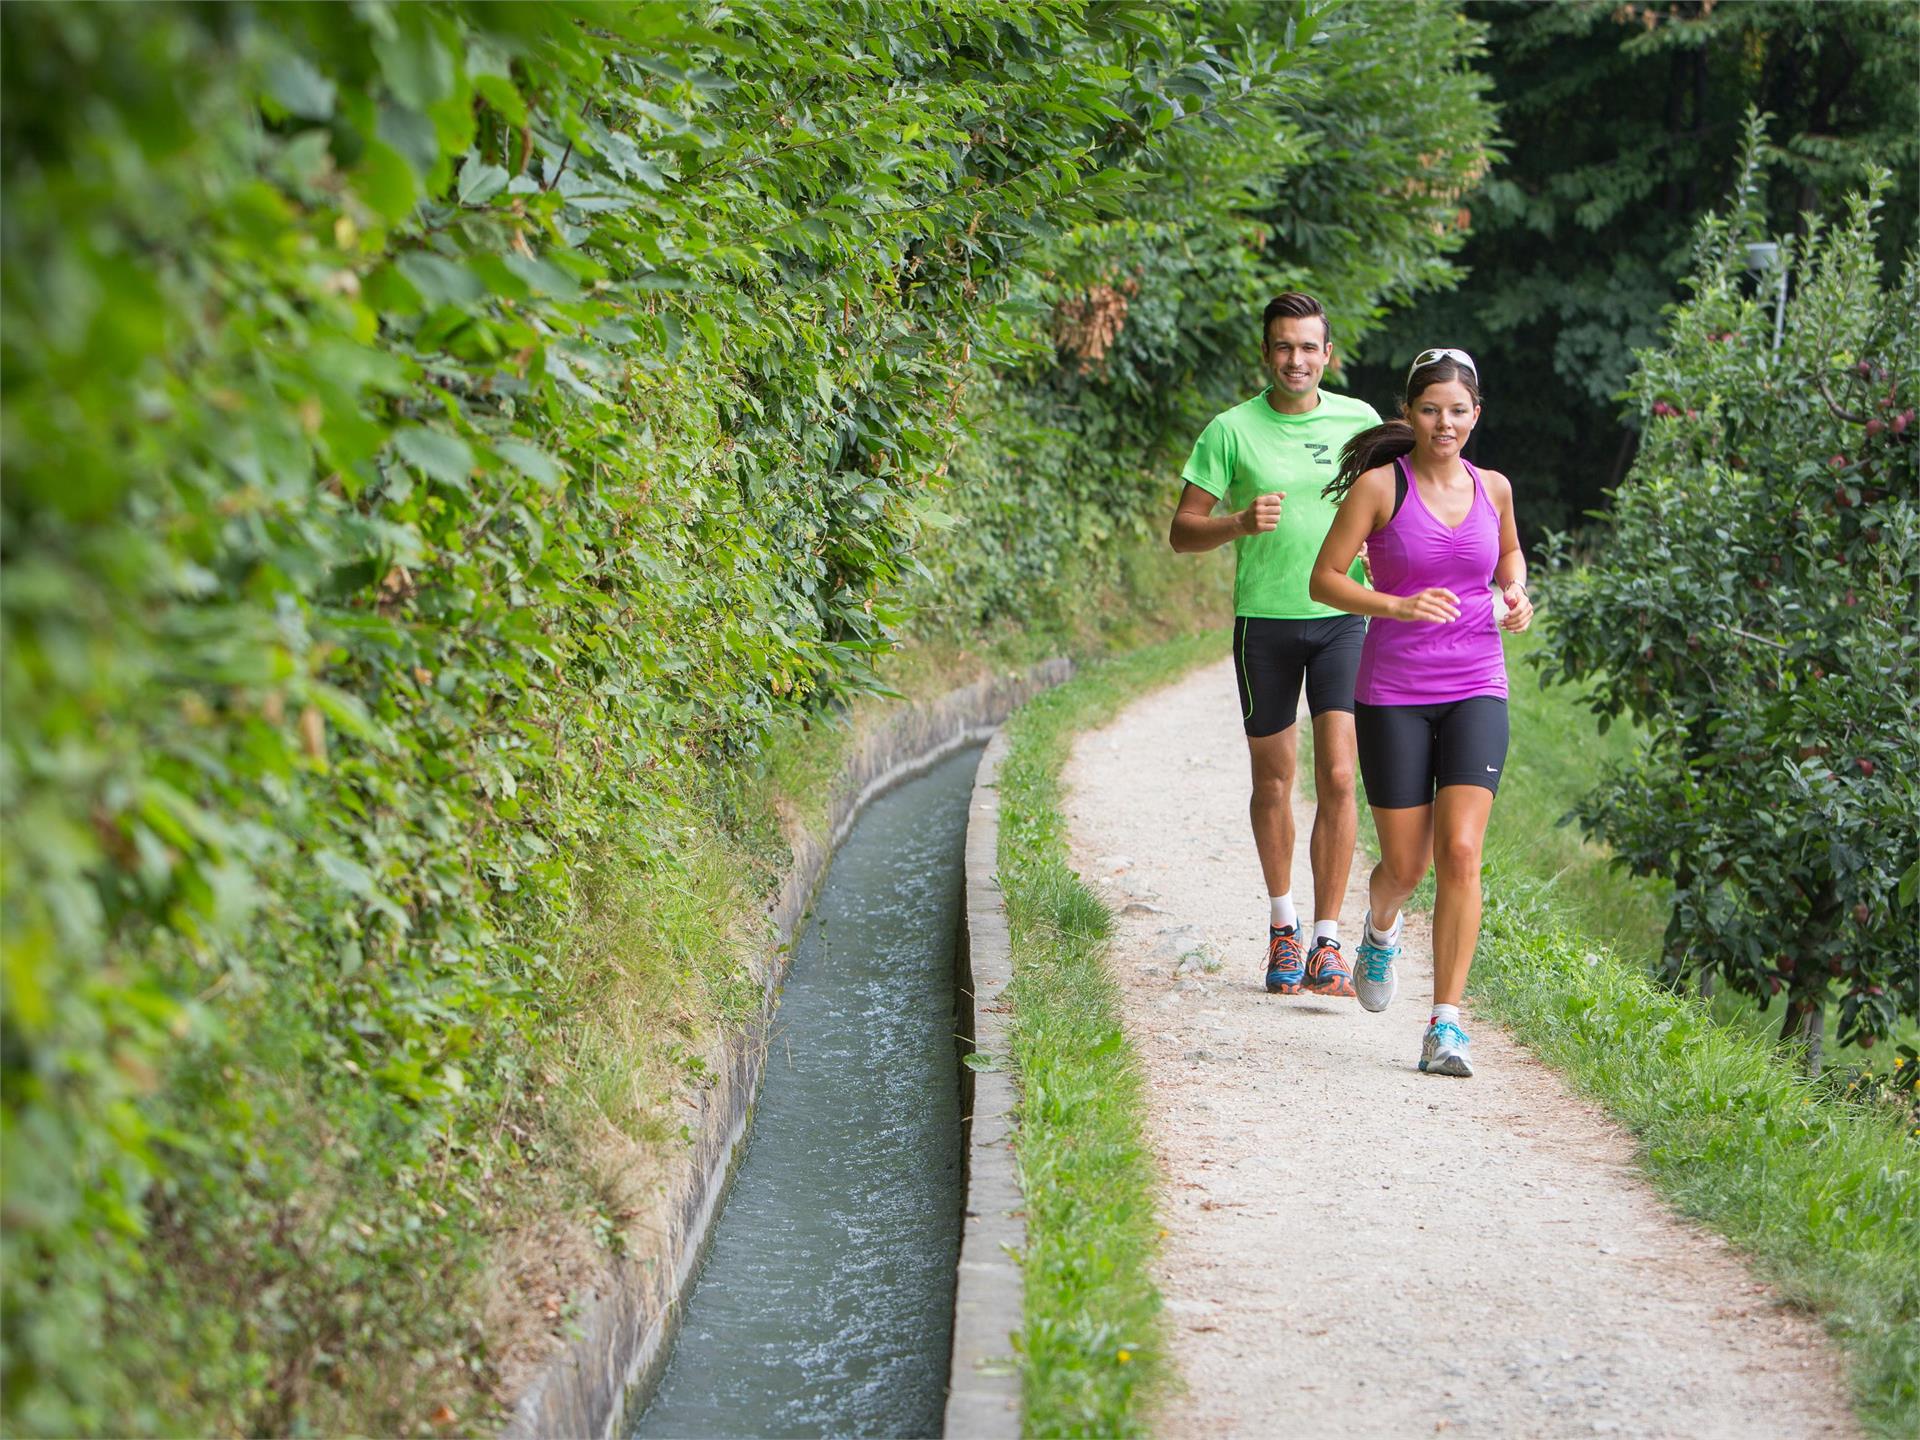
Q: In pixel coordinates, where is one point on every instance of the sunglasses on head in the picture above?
(1427, 357)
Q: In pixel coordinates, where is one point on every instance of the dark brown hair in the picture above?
(1391, 439)
(1294, 306)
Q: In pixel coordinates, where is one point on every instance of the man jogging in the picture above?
(1268, 459)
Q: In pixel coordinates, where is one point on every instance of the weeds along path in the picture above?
(1355, 1248)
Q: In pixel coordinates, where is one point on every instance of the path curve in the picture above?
(1357, 1249)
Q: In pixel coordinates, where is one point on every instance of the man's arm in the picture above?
(1197, 528)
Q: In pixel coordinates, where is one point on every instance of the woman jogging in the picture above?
(1430, 711)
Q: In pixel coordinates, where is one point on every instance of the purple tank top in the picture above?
(1417, 662)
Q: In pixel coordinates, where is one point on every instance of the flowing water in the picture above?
(825, 1305)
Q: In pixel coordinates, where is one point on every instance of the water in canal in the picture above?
(825, 1306)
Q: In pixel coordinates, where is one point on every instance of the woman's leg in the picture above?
(1395, 749)
(1470, 751)
(1459, 835)
(1406, 849)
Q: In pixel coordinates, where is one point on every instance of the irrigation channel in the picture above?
(825, 1302)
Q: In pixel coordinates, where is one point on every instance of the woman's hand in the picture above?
(1436, 605)
(1519, 608)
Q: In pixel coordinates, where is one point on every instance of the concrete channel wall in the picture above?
(586, 1391)
(983, 1383)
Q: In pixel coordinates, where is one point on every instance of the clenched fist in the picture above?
(1262, 515)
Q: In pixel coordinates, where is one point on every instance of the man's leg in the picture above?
(1335, 824)
(1336, 818)
(1274, 760)
(1270, 659)
(1331, 672)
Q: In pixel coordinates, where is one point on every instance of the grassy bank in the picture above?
(1823, 1196)
(1093, 1348)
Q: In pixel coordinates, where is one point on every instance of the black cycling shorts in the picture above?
(1407, 752)
(1270, 657)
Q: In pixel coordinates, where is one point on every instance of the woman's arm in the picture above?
(1368, 507)
(1510, 570)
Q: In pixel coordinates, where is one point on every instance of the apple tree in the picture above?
(1752, 609)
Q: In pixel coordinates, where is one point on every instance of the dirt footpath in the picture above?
(1357, 1249)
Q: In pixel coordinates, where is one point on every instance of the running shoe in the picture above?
(1376, 983)
(1286, 968)
(1327, 972)
(1445, 1050)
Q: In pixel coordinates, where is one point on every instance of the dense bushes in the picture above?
(1754, 612)
(437, 438)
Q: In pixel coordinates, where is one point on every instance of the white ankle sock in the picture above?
(1389, 936)
(1327, 930)
(1445, 1014)
(1284, 916)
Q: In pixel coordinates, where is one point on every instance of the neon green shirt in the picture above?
(1253, 450)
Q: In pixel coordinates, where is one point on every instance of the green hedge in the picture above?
(440, 438)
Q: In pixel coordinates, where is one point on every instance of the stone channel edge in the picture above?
(585, 1391)
(983, 1383)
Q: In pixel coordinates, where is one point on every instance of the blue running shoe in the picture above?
(1374, 982)
(1445, 1050)
(1286, 962)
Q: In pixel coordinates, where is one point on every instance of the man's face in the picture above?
(1296, 354)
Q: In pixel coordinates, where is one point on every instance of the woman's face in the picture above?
(1443, 416)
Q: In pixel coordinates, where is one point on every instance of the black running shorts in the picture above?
(1270, 657)
(1407, 752)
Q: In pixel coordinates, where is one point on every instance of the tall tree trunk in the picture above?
(1806, 1025)
(1676, 114)
(1622, 458)
(1699, 75)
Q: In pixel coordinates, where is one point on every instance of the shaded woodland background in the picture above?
(1621, 126)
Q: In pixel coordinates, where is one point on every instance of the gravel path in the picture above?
(1357, 1249)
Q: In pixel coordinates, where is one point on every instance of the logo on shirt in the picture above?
(1319, 453)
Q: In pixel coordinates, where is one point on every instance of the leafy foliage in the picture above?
(1623, 123)
(1344, 181)
(1754, 611)
(440, 440)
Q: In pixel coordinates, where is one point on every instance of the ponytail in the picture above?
(1377, 446)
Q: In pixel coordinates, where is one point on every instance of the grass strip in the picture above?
(1824, 1196)
(1093, 1348)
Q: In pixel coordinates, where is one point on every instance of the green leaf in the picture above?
(500, 93)
(416, 65)
(480, 183)
(531, 461)
(439, 281)
(440, 456)
(298, 88)
(385, 180)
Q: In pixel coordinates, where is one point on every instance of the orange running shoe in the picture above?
(1327, 972)
(1285, 967)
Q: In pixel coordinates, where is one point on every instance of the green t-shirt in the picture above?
(1253, 450)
